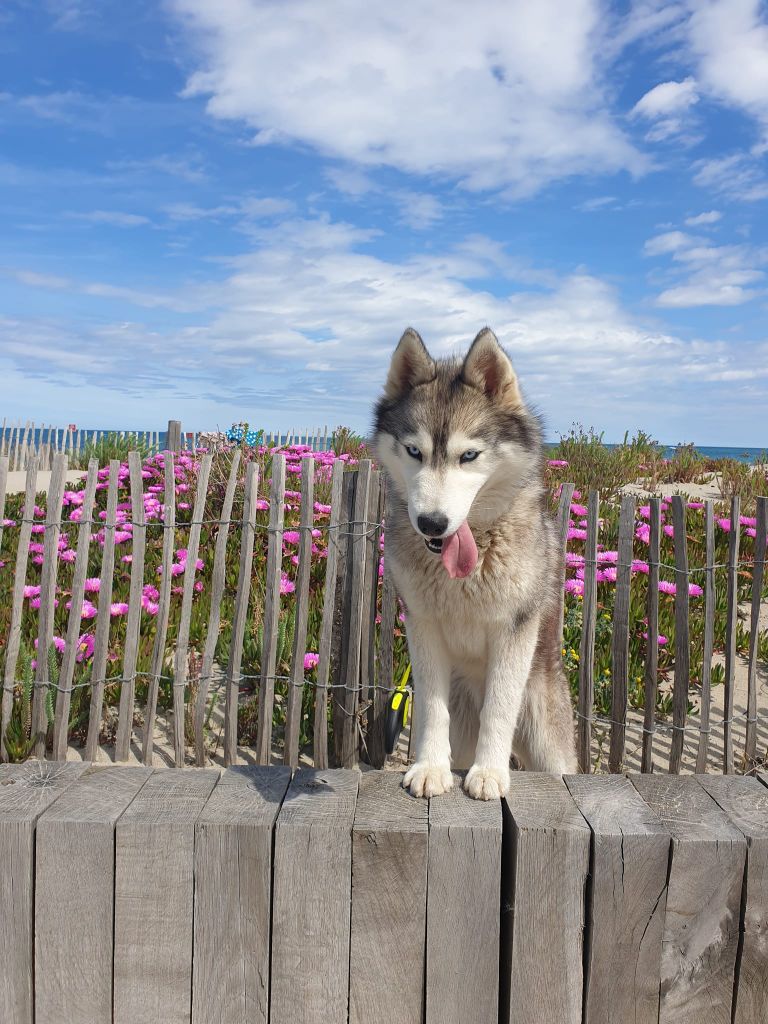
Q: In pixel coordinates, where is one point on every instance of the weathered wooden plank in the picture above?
(682, 636)
(651, 681)
(630, 856)
(103, 618)
(355, 565)
(181, 660)
(730, 633)
(296, 682)
(701, 928)
(761, 533)
(26, 791)
(311, 899)
(620, 638)
(368, 614)
(133, 625)
(233, 896)
(587, 643)
(320, 741)
(389, 903)
(710, 599)
(74, 896)
(3, 488)
(375, 739)
(242, 600)
(173, 436)
(74, 622)
(214, 618)
(154, 881)
(464, 872)
(745, 802)
(13, 642)
(546, 862)
(271, 610)
(47, 598)
(164, 602)
(340, 640)
(563, 522)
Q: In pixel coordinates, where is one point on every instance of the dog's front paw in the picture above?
(428, 779)
(487, 783)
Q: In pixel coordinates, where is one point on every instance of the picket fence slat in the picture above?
(709, 638)
(271, 610)
(620, 640)
(651, 680)
(3, 488)
(74, 623)
(218, 578)
(761, 532)
(47, 597)
(181, 662)
(242, 599)
(133, 626)
(368, 626)
(682, 636)
(563, 522)
(101, 639)
(19, 579)
(587, 643)
(296, 681)
(730, 634)
(375, 730)
(320, 742)
(164, 602)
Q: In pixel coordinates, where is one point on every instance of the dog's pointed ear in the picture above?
(489, 369)
(411, 365)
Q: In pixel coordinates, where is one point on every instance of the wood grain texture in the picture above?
(271, 610)
(651, 679)
(214, 616)
(26, 791)
(761, 534)
(543, 890)
(154, 862)
(710, 598)
(701, 927)
(464, 873)
(630, 856)
(233, 894)
(620, 638)
(103, 617)
(320, 740)
(74, 896)
(587, 643)
(682, 636)
(240, 616)
(296, 682)
(74, 624)
(745, 802)
(730, 633)
(389, 902)
(311, 901)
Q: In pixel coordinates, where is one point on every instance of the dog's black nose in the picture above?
(434, 525)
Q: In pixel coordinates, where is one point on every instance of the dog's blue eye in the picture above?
(413, 451)
(469, 456)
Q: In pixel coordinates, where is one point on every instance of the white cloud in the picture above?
(249, 207)
(598, 203)
(667, 98)
(738, 176)
(669, 241)
(113, 217)
(708, 217)
(498, 96)
(717, 275)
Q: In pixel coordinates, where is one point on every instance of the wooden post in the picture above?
(682, 638)
(463, 908)
(587, 645)
(651, 686)
(761, 532)
(271, 609)
(296, 682)
(620, 639)
(710, 599)
(730, 634)
(173, 436)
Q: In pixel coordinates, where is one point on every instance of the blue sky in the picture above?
(229, 210)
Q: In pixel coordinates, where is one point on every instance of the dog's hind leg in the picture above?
(544, 739)
(465, 725)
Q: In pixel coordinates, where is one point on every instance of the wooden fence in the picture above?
(356, 622)
(24, 440)
(132, 895)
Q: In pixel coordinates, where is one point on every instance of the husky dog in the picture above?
(474, 556)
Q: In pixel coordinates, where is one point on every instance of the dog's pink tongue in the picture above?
(459, 553)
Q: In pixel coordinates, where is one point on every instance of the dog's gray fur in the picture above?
(488, 677)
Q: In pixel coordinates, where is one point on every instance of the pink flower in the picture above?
(150, 592)
(695, 590)
(92, 585)
(661, 639)
(291, 536)
(574, 534)
(669, 530)
(724, 524)
(58, 642)
(574, 587)
(89, 610)
(324, 510)
(643, 533)
(262, 505)
(557, 463)
(31, 591)
(151, 607)
(286, 586)
(119, 608)
(68, 556)
(310, 660)
(84, 647)
(639, 566)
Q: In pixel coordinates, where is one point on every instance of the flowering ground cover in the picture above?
(349, 450)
